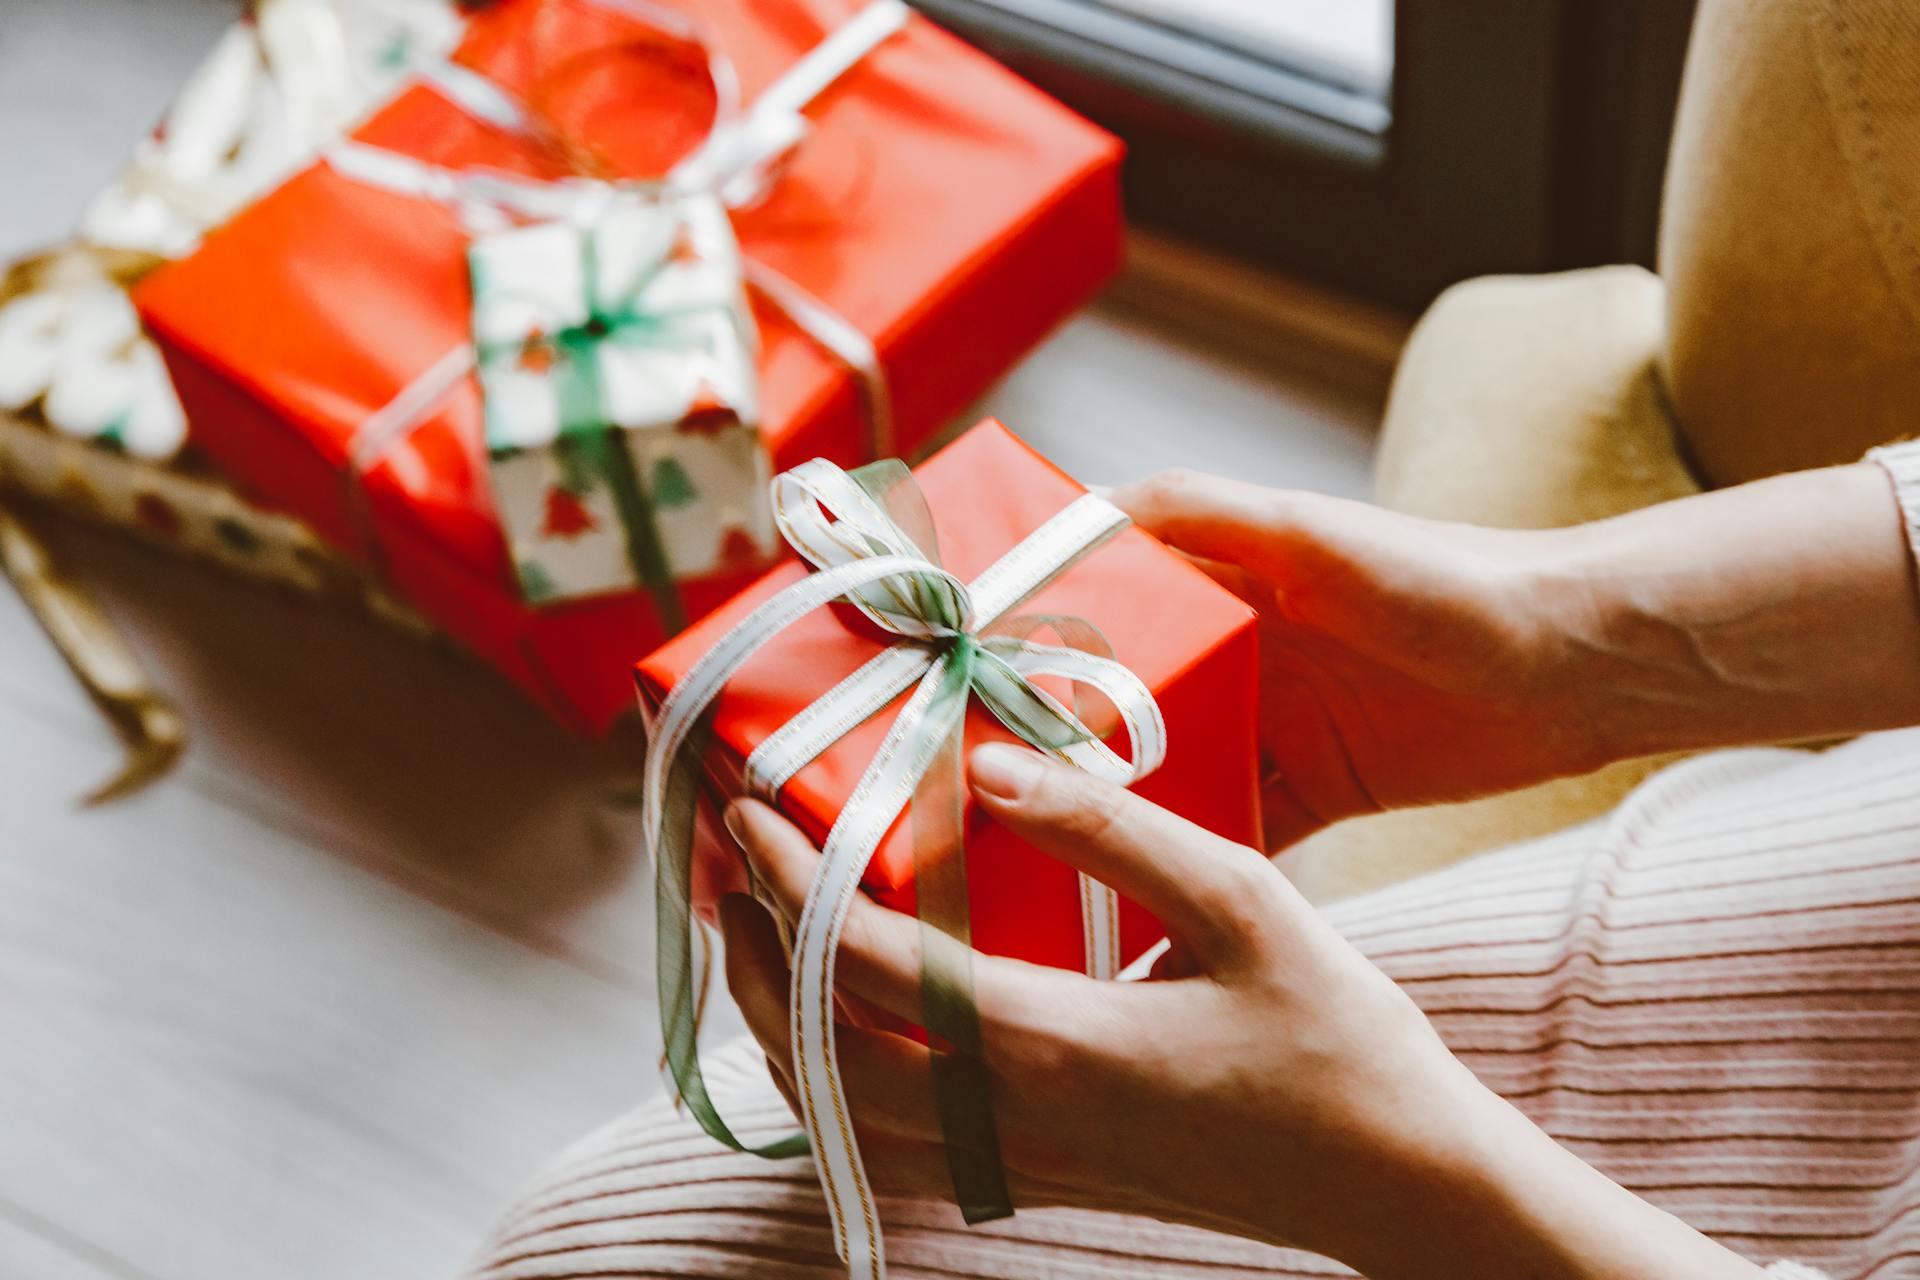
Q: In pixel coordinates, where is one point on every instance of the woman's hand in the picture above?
(1283, 1088)
(1403, 661)
(1410, 661)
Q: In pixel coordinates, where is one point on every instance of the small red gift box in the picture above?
(947, 210)
(1189, 641)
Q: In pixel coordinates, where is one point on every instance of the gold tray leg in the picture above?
(143, 716)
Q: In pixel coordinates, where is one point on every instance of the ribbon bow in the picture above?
(71, 344)
(870, 538)
(273, 90)
(626, 339)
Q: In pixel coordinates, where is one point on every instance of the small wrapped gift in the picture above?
(88, 416)
(616, 364)
(289, 77)
(1009, 605)
(920, 227)
(89, 423)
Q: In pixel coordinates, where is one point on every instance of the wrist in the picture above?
(1560, 598)
(1621, 666)
(1782, 610)
(1496, 1195)
(1659, 642)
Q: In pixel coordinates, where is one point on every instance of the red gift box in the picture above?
(949, 211)
(1188, 640)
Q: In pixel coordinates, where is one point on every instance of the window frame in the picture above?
(1523, 135)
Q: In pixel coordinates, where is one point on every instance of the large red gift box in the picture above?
(948, 210)
(1191, 642)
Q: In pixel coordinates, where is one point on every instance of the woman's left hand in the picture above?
(1275, 1084)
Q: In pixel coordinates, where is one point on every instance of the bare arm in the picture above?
(1777, 610)
(1409, 661)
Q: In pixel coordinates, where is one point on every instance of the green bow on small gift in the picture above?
(592, 327)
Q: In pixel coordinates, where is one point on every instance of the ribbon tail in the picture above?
(603, 452)
(681, 979)
(962, 1093)
(669, 801)
(903, 758)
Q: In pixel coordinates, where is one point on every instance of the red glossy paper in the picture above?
(1191, 642)
(946, 208)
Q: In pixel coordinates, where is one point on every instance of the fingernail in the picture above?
(736, 820)
(1003, 771)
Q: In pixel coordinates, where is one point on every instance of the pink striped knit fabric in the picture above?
(1713, 996)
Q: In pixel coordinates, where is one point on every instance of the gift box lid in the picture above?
(986, 490)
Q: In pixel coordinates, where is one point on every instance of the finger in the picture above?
(879, 953)
(1203, 515)
(891, 1103)
(1172, 964)
(889, 1082)
(1305, 545)
(1217, 897)
(888, 1077)
(757, 975)
(905, 1167)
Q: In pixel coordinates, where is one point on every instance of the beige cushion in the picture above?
(1521, 402)
(1787, 335)
(1790, 236)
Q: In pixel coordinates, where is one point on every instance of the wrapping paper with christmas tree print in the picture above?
(615, 355)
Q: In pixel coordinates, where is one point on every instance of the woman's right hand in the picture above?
(1274, 1083)
(1403, 661)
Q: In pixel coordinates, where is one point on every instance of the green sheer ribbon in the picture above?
(962, 665)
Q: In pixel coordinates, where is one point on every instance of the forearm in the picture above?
(1476, 1189)
(1532, 1209)
(1780, 610)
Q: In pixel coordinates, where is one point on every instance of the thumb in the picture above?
(1217, 519)
(1217, 898)
(1289, 539)
(1398, 589)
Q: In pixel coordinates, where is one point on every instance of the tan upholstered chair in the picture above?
(1782, 332)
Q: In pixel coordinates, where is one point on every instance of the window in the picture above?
(1345, 45)
(1386, 148)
